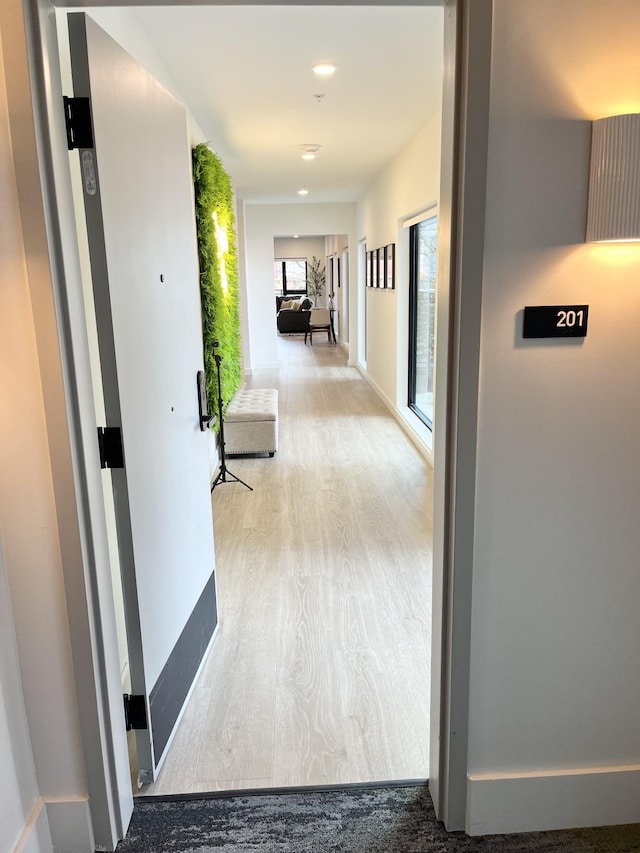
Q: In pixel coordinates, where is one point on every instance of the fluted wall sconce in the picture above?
(613, 213)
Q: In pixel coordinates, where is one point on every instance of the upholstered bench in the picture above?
(251, 422)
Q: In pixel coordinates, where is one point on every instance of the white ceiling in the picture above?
(245, 74)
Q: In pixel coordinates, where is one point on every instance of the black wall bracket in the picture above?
(77, 119)
(135, 712)
(205, 419)
(110, 447)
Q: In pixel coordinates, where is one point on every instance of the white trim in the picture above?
(465, 127)
(70, 825)
(419, 429)
(553, 799)
(73, 448)
(125, 676)
(405, 423)
(36, 836)
(403, 274)
(426, 213)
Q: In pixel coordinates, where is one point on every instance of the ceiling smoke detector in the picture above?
(309, 151)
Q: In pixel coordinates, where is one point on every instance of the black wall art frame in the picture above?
(390, 255)
(381, 267)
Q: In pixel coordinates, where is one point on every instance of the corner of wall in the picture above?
(36, 837)
(70, 825)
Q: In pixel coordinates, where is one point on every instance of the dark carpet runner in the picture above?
(354, 820)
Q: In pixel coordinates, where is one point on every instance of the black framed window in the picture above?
(423, 241)
(291, 276)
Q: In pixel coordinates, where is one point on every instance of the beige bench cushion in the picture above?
(251, 422)
(254, 404)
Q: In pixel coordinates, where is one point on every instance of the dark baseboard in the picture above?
(175, 680)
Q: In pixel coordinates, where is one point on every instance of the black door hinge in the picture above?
(110, 446)
(77, 119)
(135, 712)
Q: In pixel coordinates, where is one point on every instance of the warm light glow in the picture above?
(295, 236)
(308, 155)
(222, 242)
(616, 241)
(303, 191)
(324, 69)
(613, 212)
(615, 253)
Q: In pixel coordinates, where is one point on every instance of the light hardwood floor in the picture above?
(320, 671)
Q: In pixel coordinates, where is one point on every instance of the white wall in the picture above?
(263, 222)
(408, 185)
(123, 27)
(302, 247)
(20, 803)
(555, 674)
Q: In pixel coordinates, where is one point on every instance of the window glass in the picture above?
(422, 305)
(290, 276)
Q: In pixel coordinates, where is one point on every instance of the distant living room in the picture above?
(303, 281)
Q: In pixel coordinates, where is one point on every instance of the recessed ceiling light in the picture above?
(324, 69)
(295, 236)
(303, 191)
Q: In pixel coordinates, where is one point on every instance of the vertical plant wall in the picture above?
(215, 224)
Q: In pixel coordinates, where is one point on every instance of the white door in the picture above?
(140, 221)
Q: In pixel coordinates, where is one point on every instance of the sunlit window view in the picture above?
(291, 276)
(423, 247)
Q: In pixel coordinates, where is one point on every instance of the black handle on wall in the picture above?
(205, 419)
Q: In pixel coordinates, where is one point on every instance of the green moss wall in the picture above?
(215, 223)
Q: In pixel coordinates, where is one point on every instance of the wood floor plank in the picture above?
(320, 671)
(239, 726)
(310, 743)
(178, 771)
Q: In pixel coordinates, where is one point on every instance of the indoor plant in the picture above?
(315, 279)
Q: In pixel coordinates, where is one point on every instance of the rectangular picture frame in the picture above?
(390, 266)
(381, 267)
(369, 264)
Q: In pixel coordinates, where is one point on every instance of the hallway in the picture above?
(320, 671)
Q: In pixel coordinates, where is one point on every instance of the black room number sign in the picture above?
(555, 321)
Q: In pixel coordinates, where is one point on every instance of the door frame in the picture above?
(467, 60)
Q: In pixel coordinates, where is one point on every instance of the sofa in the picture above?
(293, 318)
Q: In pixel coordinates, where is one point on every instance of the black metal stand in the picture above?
(224, 475)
